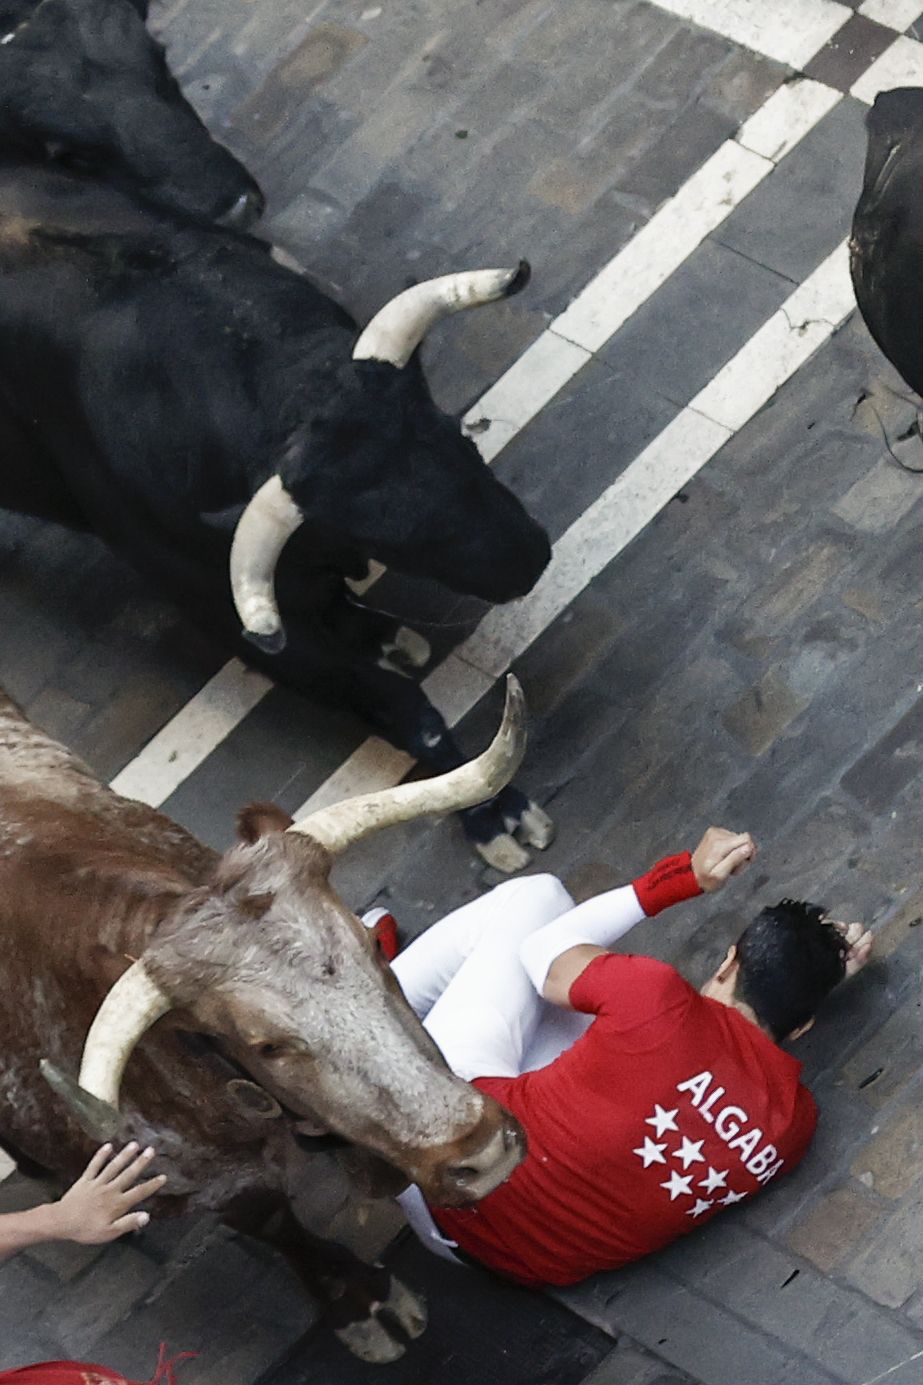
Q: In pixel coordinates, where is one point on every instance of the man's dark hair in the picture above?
(790, 958)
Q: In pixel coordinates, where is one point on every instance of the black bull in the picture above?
(83, 83)
(155, 374)
(886, 246)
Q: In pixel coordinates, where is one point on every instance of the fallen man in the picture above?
(648, 1106)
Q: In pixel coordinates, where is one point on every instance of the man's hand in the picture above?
(859, 939)
(720, 854)
(98, 1208)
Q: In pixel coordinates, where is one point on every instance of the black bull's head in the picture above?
(386, 470)
(83, 81)
(268, 961)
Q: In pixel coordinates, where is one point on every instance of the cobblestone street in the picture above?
(687, 399)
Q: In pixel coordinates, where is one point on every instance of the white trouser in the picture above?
(465, 980)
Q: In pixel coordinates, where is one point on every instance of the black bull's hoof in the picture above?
(386, 1325)
(502, 829)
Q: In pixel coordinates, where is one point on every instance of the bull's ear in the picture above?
(260, 819)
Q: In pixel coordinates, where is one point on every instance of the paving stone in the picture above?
(692, 1332)
(892, 1057)
(628, 1364)
(835, 1328)
(852, 49)
(17, 1192)
(94, 1303)
(835, 1226)
(889, 1161)
(622, 414)
(65, 1259)
(800, 213)
(887, 1269)
(878, 777)
(229, 1303)
(763, 713)
(717, 299)
(28, 1348)
(25, 1291)
(900, 929)
(879, 499)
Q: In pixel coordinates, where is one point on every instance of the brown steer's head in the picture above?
(269, 961)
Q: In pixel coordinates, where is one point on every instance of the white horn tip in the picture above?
(258, 614)
(261, 622)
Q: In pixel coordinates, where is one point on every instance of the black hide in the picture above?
(886, 247)
(153, 374)
(82, 81)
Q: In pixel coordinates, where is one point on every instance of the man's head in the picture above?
(782, 966)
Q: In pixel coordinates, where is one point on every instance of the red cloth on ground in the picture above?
(670, 1107)
(668, 882)
(64, 1373)
(80, 1373)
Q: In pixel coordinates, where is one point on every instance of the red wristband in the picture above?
(668, 882)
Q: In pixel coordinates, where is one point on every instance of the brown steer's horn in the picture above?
(263, 530)
(133, 1004)
(397, 329)
(341, 824)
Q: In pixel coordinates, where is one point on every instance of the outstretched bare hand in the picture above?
(719, 855)
(98, 1207)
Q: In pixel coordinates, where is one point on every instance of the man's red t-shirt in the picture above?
(670, 1107)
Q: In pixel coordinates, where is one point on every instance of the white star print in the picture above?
(663, 1120)
(690, 1151)
(676, 1184)
(731, 1198)
(650, 1152)
(714, 1179)
(701, 1205)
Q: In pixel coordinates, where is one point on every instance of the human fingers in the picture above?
(859, 954)
(732, 841)
(150, 1186)
(133, 1221)
(852, 932)
(734, 860)
(99, 1161)
(133, 1170)
(117, 1163)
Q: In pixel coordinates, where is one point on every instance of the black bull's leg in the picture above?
(372, 1313)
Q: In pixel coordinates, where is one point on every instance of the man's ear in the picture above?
(260, 819)
(729, 967)
(802, 1029)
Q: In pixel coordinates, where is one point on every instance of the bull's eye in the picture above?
(269, 1050)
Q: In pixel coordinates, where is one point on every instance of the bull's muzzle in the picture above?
(477, 1165)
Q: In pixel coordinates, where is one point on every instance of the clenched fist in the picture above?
(719, 854)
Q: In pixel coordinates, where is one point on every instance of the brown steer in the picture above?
(222, 1004)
